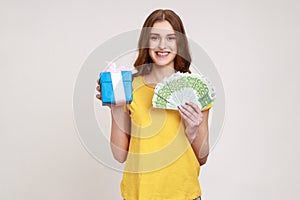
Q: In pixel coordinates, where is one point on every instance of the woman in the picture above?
(163, 149)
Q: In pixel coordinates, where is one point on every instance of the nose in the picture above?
(162, 43)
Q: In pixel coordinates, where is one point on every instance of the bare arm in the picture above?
(120, 130)
(200, 144)
(120, 133)
(196, 129)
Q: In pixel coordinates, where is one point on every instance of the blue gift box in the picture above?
(116, 87)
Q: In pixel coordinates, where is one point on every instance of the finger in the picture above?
(189, 111)
(187, 121)
(98, 81)
(195, 118)
(98, 88)
(194, 106)
(186, 113)
(183, 114)
(98, 96)
(198, 110)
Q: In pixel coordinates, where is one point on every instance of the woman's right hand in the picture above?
(99, 96)
(98, 88)
(120, 130)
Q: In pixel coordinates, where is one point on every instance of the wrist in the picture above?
(116, 109)
(191, 137)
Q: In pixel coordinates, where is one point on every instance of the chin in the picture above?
(163, 64)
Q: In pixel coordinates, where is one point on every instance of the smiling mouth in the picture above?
(162, 53)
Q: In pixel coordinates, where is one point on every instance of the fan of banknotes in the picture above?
(181, 88)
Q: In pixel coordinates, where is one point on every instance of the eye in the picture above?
(171, 38)
(154, 38)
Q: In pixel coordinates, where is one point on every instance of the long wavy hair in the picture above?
(182, 61)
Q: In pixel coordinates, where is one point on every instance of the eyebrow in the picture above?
(171, 34)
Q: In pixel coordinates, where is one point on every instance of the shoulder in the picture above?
(137, 81)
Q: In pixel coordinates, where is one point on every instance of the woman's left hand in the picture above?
(192, 118)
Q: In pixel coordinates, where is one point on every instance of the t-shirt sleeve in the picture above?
(209, 106)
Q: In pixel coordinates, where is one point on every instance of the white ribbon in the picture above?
(118, 87)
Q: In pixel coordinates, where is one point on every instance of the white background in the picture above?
(254, 45)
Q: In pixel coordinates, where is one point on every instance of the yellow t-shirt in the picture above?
(161, 164)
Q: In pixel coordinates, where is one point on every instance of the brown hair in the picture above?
(182, 60)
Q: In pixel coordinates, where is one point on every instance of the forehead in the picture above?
(162, 27)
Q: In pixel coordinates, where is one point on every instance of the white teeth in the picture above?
(162, 53)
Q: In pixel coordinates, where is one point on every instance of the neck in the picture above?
(158, 73)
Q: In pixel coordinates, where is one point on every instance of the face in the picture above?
(162, 44)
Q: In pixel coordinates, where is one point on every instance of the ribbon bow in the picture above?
(112, 67)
